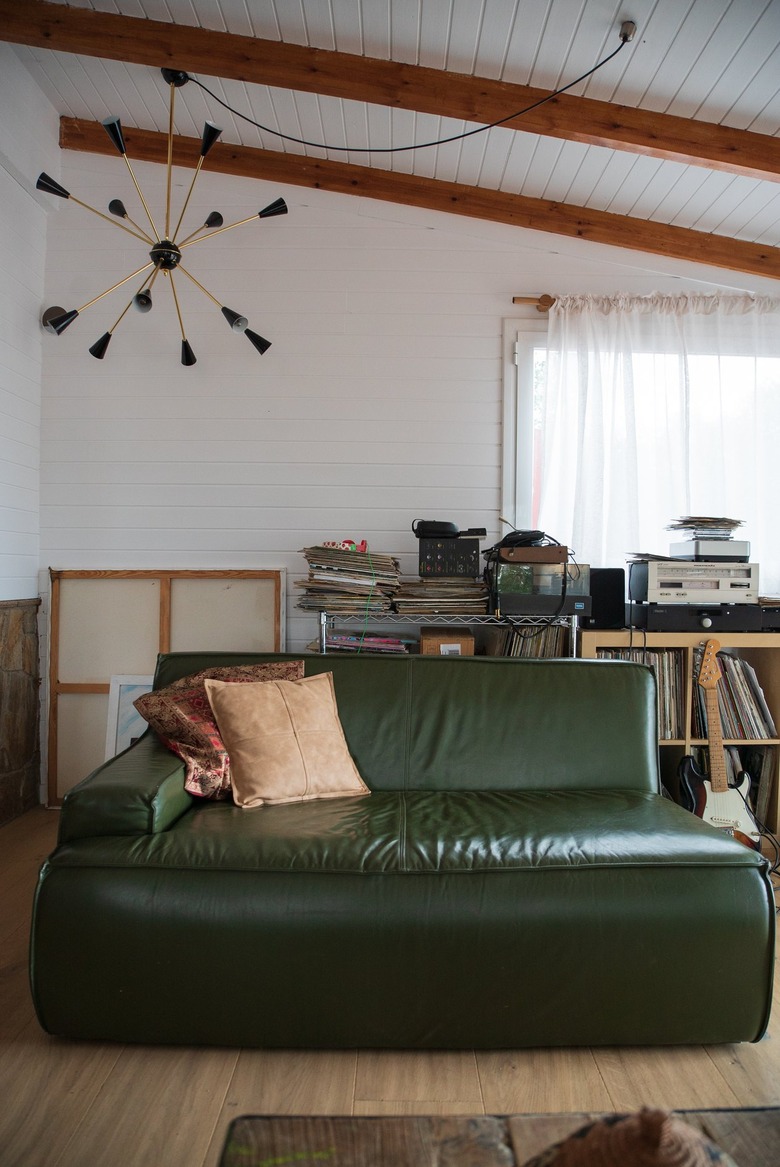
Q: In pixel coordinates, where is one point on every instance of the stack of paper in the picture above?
(442, 596)
(706, 526)
(355, 582)
(363, 643)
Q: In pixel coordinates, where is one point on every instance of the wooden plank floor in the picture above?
(70, 1104)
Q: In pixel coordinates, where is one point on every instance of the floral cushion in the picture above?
(650, 1138)
(183, 719)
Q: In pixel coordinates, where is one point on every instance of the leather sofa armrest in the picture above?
(139, 792)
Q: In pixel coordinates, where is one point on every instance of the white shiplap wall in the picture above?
(28, 139)
(379, 402)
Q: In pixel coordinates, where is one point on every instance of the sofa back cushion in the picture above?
(473, 723)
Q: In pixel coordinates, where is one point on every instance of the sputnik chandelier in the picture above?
(167, 249)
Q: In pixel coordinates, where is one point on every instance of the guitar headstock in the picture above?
(709, 672)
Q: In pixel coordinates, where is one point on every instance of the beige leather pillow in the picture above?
(284, 740)
(182, 718)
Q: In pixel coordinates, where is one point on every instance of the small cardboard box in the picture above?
(446, 642)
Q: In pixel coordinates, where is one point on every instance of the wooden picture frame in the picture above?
(114, 623)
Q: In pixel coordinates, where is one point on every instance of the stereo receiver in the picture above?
(678, 581)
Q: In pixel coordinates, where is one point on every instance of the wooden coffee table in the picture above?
(750, 1136)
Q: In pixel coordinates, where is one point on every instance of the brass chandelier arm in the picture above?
(113, 288)
(176, 303)
(198, 284)
(139, 234)
(187, 239)
(239, 223)
(187, 355)
(189, 194)
(170, 163)
(141, 196)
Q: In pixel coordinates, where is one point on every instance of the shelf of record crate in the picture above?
(759, 649)
(444, 619)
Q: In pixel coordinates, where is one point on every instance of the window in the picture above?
(636, 411)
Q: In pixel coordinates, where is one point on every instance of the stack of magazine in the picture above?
(362, 642)
(348, 582)
(441, 596)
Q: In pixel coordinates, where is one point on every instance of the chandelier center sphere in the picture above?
(165, 255)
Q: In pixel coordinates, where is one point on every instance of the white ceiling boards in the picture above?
(672, 147)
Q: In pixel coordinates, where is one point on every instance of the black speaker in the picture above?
(608, 596)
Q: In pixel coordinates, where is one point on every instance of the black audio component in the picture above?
(448, 556)
(608, 598)
(695, 617)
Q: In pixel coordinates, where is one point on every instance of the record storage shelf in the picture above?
(444, 619)
(760, 649)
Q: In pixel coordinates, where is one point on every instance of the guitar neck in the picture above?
(718, 774)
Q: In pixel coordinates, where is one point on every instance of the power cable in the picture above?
(627, 31)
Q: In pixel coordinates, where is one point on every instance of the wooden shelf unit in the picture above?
(760, 649)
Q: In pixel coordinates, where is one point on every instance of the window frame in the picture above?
(521, 337)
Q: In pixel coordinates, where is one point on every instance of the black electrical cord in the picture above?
(624, 39)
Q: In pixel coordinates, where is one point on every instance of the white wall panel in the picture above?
(27, 140)
(379, 401)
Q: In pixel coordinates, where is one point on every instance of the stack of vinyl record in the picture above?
(348, 582)
(441, 596)
(706, 526)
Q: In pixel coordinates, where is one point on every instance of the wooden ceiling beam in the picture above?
(455, 198)
(388, 83)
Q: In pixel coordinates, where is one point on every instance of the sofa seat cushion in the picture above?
(428, 832)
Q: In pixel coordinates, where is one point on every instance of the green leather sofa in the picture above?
(515, 878)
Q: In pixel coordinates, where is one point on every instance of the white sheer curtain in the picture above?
(656, 407)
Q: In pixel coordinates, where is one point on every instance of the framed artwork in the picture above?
(125, 723)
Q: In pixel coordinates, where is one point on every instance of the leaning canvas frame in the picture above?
(124, 723)
(105, 623)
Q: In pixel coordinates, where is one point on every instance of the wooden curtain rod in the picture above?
(543, 303)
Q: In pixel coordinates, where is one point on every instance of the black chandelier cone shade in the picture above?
(117, 207)
(47, 183)
(210, 135)
(236, 321)
(261, 344)
(214, 220)
(98, 349)
(142, 300)
(60, 323)
(187, 355)
(278, 207)
(113, 128)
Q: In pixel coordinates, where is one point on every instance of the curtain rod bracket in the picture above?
(543, 303)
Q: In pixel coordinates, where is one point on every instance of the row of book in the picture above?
(669, 667)
(529, 642)
(744, 714)
(743, 709)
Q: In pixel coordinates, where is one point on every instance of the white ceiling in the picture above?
(714, 61)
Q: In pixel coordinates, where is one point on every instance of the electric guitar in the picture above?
(715, 799)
